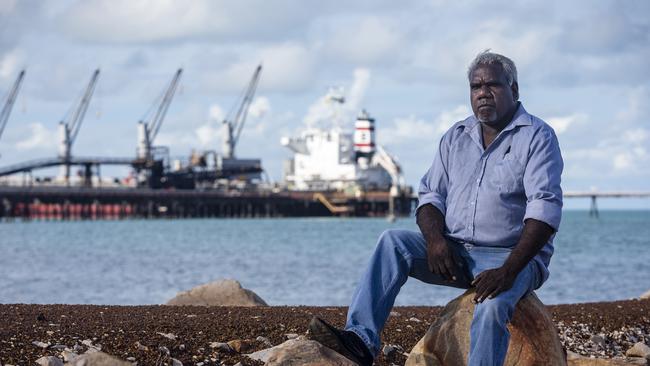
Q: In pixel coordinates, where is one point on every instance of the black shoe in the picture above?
(344, 342)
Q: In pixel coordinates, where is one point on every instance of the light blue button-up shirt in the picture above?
(486, 194)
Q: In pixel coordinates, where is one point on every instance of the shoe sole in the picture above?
(323, 334)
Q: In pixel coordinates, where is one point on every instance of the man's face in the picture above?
(491, 96)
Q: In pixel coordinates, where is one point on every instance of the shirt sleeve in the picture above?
(542, 179)
(434, 183)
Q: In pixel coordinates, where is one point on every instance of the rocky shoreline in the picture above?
(199, 335)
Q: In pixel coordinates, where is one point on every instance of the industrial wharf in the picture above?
(85, 203)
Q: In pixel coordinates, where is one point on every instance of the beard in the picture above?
(487, 117)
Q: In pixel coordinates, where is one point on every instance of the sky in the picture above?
(583, 68)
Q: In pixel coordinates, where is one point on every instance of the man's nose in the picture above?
(484, 91)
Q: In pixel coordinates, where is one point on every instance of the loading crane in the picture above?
(233, 124)
(149, 125)
(70, 125)
(11, 98)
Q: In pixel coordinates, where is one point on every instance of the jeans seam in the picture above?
(363, 337)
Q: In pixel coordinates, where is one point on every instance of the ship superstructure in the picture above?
(327, 159)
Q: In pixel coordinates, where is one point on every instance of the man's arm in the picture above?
(430, 213)
(494, 281)
(432, 225)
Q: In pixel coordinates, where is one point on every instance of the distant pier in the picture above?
(593, 208)
(80, 203)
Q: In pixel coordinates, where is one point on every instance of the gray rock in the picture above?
(218, 293)
(49, 361)
(221, 346)
(40, 344)
(171, 336)
(69, 356)
(297, 352)
(641, 361)
(98, 359)
(176, 362)
(388, 350)
(264, 340)
(597, 339)
(640, 349)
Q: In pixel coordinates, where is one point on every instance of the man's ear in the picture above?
(515, 91)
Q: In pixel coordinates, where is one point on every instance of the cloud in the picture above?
(337, 107)
(40, 138)
(561, 124)
(9, 64)
(286, 67)
(143, 21)
(407, 130)
(366, 40)
(216, 113)
(259, 107)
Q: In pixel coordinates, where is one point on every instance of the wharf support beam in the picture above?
(79, 203)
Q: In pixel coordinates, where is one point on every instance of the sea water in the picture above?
(297, 261)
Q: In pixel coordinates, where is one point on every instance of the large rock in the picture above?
(218, 293)
(533, 336)
(98, 359)
(639, 349)
(300, 352)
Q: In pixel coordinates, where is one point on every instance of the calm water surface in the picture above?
(286, 261)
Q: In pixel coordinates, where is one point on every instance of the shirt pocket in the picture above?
(508, 175)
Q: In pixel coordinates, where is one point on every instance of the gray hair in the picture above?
(489, 58)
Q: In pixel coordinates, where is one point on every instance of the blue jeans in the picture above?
(402, 253)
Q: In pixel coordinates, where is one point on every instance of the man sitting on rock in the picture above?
(488, 209)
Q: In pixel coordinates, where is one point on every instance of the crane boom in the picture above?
(153, 126)
(78, 116)
(11, 98)
(242, 111)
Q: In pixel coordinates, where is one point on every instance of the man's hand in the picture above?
(440, 259)
(492, 282)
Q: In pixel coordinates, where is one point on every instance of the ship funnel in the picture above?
(364, 137)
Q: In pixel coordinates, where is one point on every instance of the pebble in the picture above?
(176, 362)
(171, 336)
(582, 339)
(240, 345)
(291, 335)
(264, 340)
(141, 347)
(388, 350)
(130, 359)
(59, 347)
(49, 361)
(164, 350)
(221, 346)
(41, 344)
(416, 320)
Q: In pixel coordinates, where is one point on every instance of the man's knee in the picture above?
(392, 240)
(498, 309)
